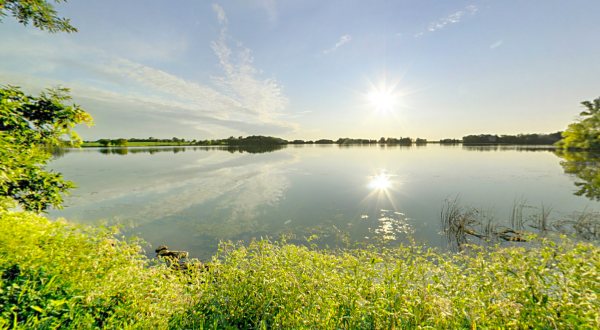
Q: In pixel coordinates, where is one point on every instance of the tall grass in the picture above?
(56, 275)
(461, 224)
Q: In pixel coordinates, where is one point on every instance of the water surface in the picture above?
(190, 198)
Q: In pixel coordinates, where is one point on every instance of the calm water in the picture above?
(189, 198)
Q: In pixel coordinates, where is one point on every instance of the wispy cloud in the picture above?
(263, 97)
(271, 8)
(239, 101)
(343, 40)
(220, 13)
(496, 44)
(450, 19)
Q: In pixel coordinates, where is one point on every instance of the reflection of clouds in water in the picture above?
(265, 187)
(242, 184)
(392, 224)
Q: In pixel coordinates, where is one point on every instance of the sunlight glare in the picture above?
(381, 99)
(380, 181)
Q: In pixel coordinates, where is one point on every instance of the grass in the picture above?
(57, 275)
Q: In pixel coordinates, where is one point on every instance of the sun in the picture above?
(381, 99)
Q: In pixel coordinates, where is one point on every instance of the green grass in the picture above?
(57, 275)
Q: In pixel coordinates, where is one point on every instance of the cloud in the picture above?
(343, 40)
(263, 97)
(271, 9)
(452, 18)
(220, 13)
(237, 102)
(496, 44)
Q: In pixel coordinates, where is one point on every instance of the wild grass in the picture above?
(56, 275)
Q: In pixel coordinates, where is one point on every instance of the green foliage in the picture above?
(585, 132)
(254, 140)
(104, 142)
(119, 142)
(27, 124)
(40, 13)
(286, 286)
(55, 275)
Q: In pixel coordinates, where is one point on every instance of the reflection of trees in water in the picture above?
(258, 149)
(464, 225)
(585, 168)
(175, 150)
(58, 152)
(61, 152)
(114, 151)
(500, 147)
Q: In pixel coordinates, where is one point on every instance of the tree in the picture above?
(119, 143)
(104, 142)
(27, 124)
(585, 132)
(40, 13)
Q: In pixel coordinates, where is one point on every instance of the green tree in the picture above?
(585, 132)
(40, 13)
(104, 142)
(27, 124)
(119, 142)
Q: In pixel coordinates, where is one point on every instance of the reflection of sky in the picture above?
(195, 198)
(145, 187)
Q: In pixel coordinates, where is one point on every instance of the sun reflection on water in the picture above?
(381, 181)
(393, 224)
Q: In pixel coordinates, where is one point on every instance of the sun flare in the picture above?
(381, 99)
(381, 181)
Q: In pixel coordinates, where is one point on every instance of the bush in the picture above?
(56, 275)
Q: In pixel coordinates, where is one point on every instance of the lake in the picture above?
(190, 198)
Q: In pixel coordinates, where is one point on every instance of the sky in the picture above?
(313, 69)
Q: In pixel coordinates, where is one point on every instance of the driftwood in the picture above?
(179, 260)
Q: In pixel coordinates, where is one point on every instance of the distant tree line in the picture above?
(449, 141)
(115, 143)
(513, 139)
(257, 140)
(249, 140)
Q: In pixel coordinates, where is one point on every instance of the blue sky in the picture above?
(310, 69)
